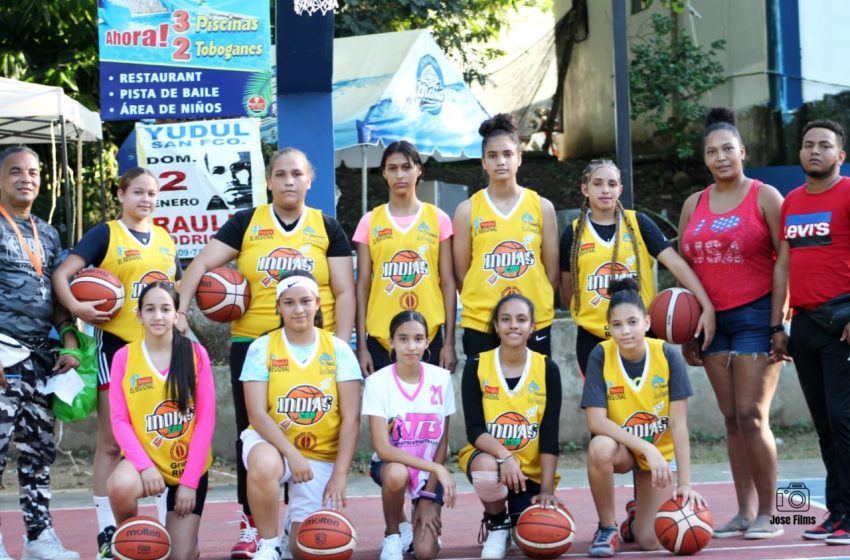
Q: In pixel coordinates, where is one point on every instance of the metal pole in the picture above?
(66, 193)
(102, 184)
(622, 106)
(364, 181)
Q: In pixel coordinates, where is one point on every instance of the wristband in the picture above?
(430, 496)
(776, 328)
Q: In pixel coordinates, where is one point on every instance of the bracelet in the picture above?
(776, 328)
(505, 460)
(428, 495)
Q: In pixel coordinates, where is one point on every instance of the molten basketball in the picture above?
(93, 284)
(223, 294)
(544, 533)
(674, 315)
(326, 535)
(681, 530)
(141, 538)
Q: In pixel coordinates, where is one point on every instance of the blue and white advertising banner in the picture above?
(171, 59)
(207, 170)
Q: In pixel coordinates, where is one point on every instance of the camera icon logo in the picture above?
(794, 497)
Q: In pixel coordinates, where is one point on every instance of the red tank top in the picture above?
(731, 253)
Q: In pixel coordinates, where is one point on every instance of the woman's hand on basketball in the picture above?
(184, 502)
(511, 476)
(706, 326)
(334, 495)
(88, 312)
(549, 501)
(427, 519)
(367, 368)
(658, 466)
(299, 468)
(448, 358)
(690, 497)
(444, 477)
(152, 481)
(182, 324)
(691, 353)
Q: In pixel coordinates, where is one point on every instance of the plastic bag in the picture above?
(86, 401)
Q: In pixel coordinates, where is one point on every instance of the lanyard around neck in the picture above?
(35, 258)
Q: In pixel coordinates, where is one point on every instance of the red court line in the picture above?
(77, 528)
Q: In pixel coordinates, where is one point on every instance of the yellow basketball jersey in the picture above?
(161, 428)
(267, 253)
(303, 399)
(136, 264)
(506, 259)
(640, 406)
(405, 271)
(595, 269)
(513, 416)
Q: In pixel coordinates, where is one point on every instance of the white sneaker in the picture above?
(3, 554)
(496, 545)
(405, 533)
(267, 552)
(391, 549)
(47, 547)
(285, 553)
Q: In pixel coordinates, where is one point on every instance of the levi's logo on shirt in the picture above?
(808, 230)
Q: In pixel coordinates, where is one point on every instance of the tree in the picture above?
(462, 28)
(668, 76)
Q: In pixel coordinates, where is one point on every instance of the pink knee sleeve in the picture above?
(488, 487)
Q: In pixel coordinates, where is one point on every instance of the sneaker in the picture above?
(825, 529)
(392, 548)
(605, 543)
(47, 547)
(762, 528)
(246, 546)
(268, 552)
(405, 533)
(840, 534)
(285, 553)
(3, 554)
(104, 542)
(735, 527)
(494, 538)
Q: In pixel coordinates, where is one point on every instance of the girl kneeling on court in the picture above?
(162, 405)
(512, 403)
(635, 399)
(287, 373)
(408, 404)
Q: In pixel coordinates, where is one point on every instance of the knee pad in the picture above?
(488, 487)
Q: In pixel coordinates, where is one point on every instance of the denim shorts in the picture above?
(375, 475)
(743, 330)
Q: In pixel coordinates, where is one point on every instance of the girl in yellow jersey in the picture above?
(138, 253)
(608, 241)
(505, 243)
(512, 404)
(404, 259)
(266, 242)
(162, 402)
(635, 398)
(302, 389)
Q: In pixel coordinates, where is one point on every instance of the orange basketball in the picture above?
(640, 423)
(681, 530)
(223, 294)
(405, 268)
(513, 430)
(93, 284)
(141, 538)
(674, 315)
(510, 268)
(305, 405)
(545, 533)
(326, 535)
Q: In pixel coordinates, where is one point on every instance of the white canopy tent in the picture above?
(38, 114)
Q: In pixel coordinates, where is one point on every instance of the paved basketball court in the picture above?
(75, 519)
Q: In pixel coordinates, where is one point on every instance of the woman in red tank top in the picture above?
(728, 233)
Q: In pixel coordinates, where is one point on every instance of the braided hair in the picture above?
(619, 212)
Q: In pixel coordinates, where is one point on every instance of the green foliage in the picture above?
(462, 28)
(668, 76)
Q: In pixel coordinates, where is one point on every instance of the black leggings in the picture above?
(238, 351)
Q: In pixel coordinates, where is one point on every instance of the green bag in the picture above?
(86, 401)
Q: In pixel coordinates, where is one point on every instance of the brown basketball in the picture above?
(681, 530)
(674, 315)
(326, 535)
(223, 294)
(141, 538)
(543, 532)
(94, 284)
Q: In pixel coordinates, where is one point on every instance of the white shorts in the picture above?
(305, 497)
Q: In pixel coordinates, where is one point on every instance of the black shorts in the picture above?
(518, 502)
(375, 475)
(107, 345)
(200, 495)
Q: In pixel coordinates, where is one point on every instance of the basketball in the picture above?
(223, 294)
(141, 538)
(326, 535)
(544, 533)
(681, 530)
(94, 284)
(674, 315)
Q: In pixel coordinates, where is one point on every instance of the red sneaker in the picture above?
(246, 546)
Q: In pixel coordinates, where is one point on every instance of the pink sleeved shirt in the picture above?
(199, 445)
(361, 234)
